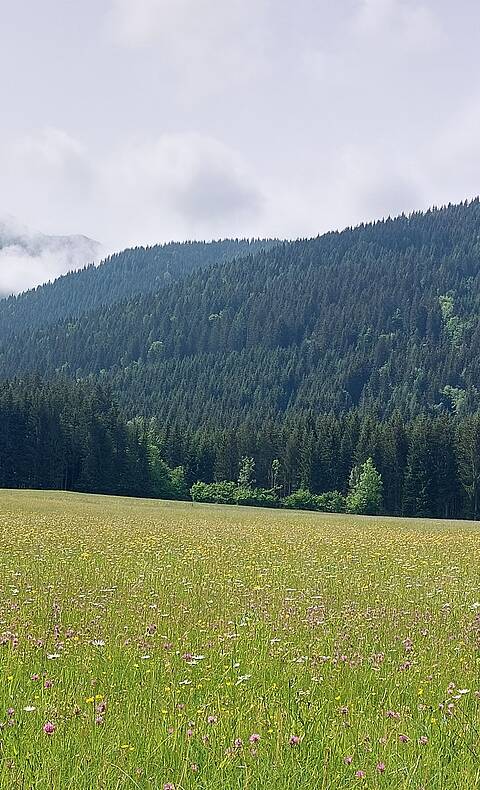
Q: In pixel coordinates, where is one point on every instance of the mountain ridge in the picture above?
(380, 317)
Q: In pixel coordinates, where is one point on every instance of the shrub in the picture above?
(216, 493)
(257, 497)
(301, 500)
(330, 502)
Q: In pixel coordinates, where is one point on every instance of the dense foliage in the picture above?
(70, 435)
(312, 355)
(65, 435)
(385, 317)
(134, 271)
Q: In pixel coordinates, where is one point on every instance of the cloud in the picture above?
(408, 23)
(186, 184)
(208, 43)
(28, 258)
(183, 185)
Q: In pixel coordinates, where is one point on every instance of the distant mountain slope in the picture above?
(27, 256)
(384, 317)
(135, 271)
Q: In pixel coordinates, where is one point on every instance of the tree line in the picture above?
(60, 434)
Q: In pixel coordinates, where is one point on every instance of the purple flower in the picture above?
(294, 740)
(49, 728)
(348, 760)
(423, 740)
(212, 720)
(381, 768)
(360, 774)
(238, 743)
(403, 738)
(254, 738)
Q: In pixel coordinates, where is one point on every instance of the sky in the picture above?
(142, 121)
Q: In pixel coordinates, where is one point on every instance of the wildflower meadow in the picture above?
(179, 646)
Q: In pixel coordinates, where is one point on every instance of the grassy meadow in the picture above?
(158, 645)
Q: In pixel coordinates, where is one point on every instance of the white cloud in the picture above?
(208, 43)
(180, 184)
(183, 185)
(409, 23)
(28, 258)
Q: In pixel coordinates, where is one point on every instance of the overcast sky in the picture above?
(138, 121)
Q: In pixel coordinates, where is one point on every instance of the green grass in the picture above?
(307, 625)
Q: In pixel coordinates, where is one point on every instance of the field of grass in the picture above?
(166, 645)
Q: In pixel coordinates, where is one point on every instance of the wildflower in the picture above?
(168, 786)
(48, 683)
(189, 733)
(194, 767)
(403, 738)
(212, 720)
(344, 710)
(35, 676)
(254, 738)
(99, 720)
(381, 768)
(360, 774)
(294, 740)
(423, 740)
(348, 760)
(49, 728)
(238, 743)
(392, 714)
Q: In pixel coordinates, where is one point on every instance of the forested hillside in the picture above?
(135, 271)
(300, 360)
(383, 318)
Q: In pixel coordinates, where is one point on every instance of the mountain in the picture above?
(308, 357)
(135, 271)
(28, 257)
(385, 316)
